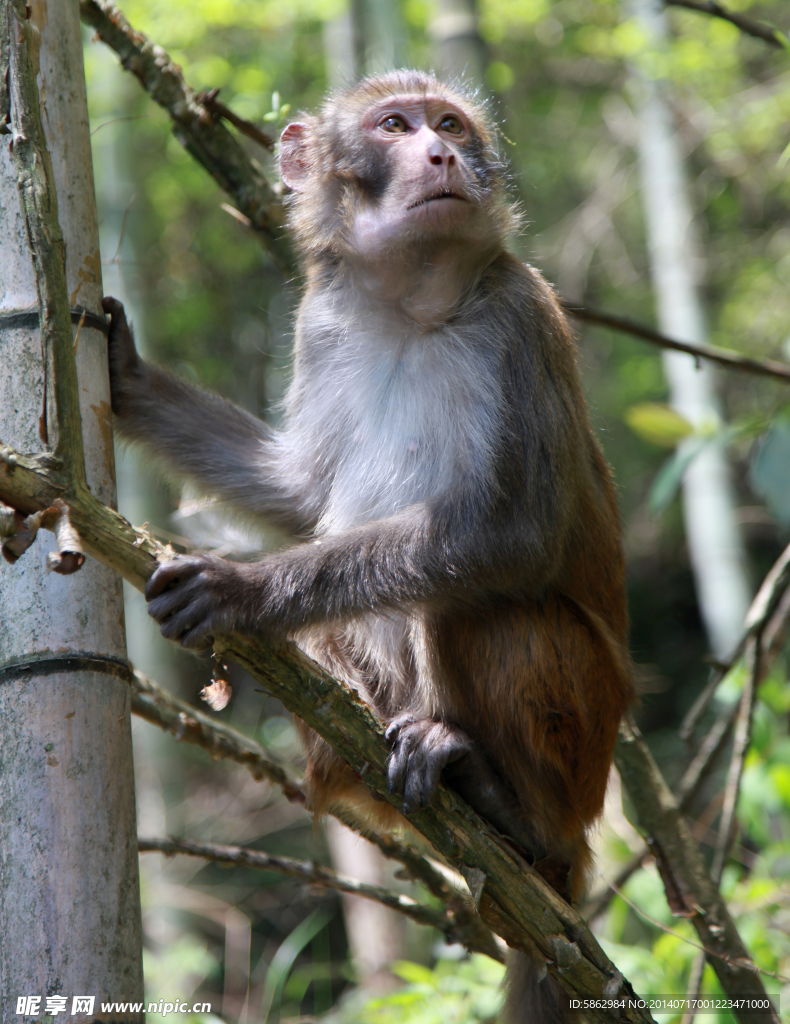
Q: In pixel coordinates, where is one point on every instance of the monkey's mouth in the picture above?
(444, 193)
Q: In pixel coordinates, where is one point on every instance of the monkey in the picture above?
(455, 549)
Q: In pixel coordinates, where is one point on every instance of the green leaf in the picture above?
(783, 39)
(283, 959)
(658, 424)
(669, 477)
(417, 974)
(770, 471)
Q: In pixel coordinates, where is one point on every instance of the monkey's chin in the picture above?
(437, 222)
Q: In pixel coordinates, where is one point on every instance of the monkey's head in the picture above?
(399, 162)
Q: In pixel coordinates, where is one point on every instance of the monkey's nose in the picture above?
(438, 154)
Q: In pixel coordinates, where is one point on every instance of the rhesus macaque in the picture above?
(456, 547)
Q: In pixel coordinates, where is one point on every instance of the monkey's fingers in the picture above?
(398, 764)
(404, 732)
(115, 310)
(193, 626)
(395, 726)
(171, 574)
(198, 639)
(423, 769)
(175, 599)
(442, 745)
(191, 615)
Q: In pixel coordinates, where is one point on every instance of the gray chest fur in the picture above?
(389, 414)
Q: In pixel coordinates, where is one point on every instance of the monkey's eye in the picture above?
(393, 124)
(452, 125)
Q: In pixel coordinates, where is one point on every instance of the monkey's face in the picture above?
(391, 172)
(417, 182)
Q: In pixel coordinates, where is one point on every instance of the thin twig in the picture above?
(187, 724)
(723, 356)
(208, 97)
(694, 987)
(458, 926)
(598, 905)
(122, 233)
(702, 762)
(740, 745)
(758, 29)
(775, 633)
(151, 701)
(714, 954)
(115, 120)
(727, 718)
(764, 606)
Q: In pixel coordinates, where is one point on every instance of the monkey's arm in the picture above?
(441, 552)
(227, 452)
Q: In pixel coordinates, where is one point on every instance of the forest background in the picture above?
(567, 81)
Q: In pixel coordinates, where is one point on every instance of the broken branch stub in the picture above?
(18, 533)
(69, 556)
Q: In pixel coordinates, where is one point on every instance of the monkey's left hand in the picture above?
(194, 597)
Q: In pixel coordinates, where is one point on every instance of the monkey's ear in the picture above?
(294, 162)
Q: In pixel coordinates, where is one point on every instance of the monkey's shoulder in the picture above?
(518, 292)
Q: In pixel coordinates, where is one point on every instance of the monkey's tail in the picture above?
(530, 999)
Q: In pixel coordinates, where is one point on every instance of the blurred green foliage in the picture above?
(452, 992)
(207, 301)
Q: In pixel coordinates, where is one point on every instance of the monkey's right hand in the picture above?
(421, 749)
(126, 367)
(195, 597)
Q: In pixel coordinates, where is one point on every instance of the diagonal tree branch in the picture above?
(758, 29)
(690, 889)
(767, 618)
(458, 922)
(194, 125)
(688, 787)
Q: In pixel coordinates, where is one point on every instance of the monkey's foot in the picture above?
(421, 749)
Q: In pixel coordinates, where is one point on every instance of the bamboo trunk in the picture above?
(69, 892)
